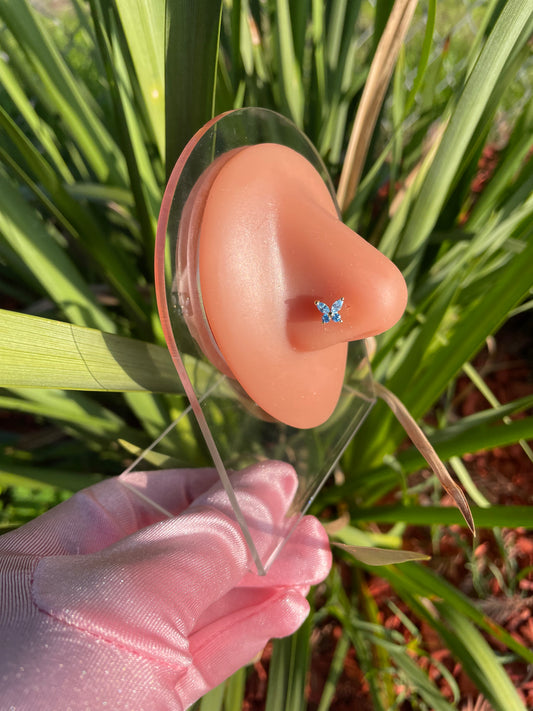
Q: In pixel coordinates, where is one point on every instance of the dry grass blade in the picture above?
(420, 170)
(370, 555)
(372, 98)
(421, 442)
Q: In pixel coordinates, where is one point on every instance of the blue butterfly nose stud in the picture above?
(330, 314)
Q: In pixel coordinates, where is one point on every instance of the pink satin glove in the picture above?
(104, 605)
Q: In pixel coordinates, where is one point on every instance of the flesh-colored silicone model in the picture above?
(270, 243)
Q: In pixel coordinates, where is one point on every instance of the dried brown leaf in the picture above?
(425, 448)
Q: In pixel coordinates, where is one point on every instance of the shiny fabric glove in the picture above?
(105, 605)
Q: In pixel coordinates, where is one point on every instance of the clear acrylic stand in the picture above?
(236, 430)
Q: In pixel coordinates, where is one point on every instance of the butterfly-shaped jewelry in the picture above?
(330, 314)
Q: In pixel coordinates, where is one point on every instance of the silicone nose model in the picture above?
(277, 285)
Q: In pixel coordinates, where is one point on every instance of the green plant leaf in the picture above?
(501, 516)
(373, 95)
(420, 581)
(73, 408)
(289, 667)
(191, 49)
(44, 477)
(234, 695)
(420, 681)
(482, 434)
(292, 96)
(335, 671)
(212, 701)
(38, 352)
(480, 317)
(424, 56)
(131, 130)
(479, 660)
(144, 26)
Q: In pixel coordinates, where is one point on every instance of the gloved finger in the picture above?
(146, 592)
(271, 484)
(173, 490)
(237, 626)
(305, 560)
(231, 642)
(102, 514)
(266, 491)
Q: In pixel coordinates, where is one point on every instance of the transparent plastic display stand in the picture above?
(236, 431)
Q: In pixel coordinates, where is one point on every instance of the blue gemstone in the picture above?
(330, 314)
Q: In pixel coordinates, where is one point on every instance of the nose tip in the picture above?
(340, 269)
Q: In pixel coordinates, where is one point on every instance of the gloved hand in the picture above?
(105, 605)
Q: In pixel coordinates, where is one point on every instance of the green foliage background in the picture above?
(98, 98)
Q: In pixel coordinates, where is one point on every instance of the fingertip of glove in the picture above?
(274, 481)
(306, 557)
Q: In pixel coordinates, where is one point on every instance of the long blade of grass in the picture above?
(419, 679)
(320, 60)
(278, 675)
(288, 670)
(300, 659)
(504, 289)
(462, 473)
(151, 409)
(37, 352)
(71, 407)
(487, 393)
(468, 436)
(339, 76)
(481, 316)
(212, 701)
(140, 168)
(234, 696)
(335, 671)
(144, 26)
(191, 49)
(365, 626)
(479, 660)
(375, 482)
(502, 516)
(510, 163)
(424, 56)
(299, 21)
(43, 477)
(75, 414)
(290, 73)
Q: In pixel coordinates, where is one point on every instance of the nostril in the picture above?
(350, 290)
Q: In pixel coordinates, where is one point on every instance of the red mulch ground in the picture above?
(505, 477)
